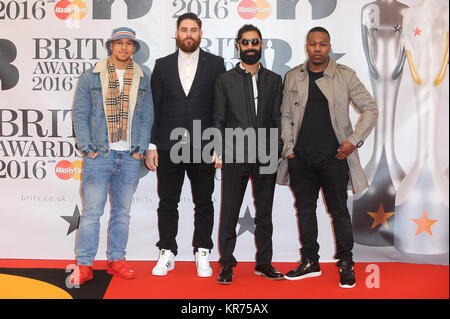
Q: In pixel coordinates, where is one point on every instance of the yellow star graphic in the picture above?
(424, 224)
(380, 217)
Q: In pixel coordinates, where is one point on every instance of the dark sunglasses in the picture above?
(255, 42)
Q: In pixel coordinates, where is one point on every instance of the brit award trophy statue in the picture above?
(374, 209)
(422, 200)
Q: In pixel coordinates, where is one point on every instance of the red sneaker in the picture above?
(121, 269)
(81, 274)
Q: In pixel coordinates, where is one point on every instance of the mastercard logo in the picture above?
(66, 170)
(250, 9)
(75, 10)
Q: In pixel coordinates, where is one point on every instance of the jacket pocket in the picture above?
(97, 97)
(294, 99)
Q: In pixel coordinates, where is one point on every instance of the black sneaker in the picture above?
(346, 274)
(306, 269)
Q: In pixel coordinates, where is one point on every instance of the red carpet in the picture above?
(396, 281)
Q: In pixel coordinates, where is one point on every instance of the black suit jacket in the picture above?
(173, 108)
(234, 108)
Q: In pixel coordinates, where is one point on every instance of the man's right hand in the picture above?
(151, 160)
(217, 160)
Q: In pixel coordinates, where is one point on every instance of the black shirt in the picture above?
(316, 141)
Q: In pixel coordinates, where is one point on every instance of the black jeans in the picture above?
(234, 183)
(170, 182)
(332, 176)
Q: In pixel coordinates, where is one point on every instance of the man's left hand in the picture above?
(345, 149)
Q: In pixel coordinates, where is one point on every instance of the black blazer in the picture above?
(234, 108)
(173, 108)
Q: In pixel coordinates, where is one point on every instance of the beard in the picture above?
(250, 59)
(189, 48)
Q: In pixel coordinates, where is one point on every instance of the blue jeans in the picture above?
(117, 172)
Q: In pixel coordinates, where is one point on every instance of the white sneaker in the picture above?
(202, 263)
(166, 263)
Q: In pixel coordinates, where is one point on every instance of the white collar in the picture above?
(193, 55)
(259, 67)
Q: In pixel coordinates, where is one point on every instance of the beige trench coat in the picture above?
(341, 86)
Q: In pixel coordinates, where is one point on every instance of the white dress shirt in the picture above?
(187, 67)
(255, 87)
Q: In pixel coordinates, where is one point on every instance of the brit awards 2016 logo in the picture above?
(60, 61)
(259, 9)
(31, 139)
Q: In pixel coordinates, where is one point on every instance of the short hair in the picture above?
(247, 28)
(318, 29)
(189, 16)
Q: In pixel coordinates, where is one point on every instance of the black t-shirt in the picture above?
(316, 141)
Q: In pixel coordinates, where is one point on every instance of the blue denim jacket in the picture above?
(89, 120)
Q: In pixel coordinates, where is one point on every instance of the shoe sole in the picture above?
(111, 272)
(310, 275)
(258, 273)
(81, 283)
(205, 275)
(225, 282)
(163, 274)
(172, 267)
(347, 286)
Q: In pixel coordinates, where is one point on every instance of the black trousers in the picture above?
(234, 183)
(170, 182)
(305, 181)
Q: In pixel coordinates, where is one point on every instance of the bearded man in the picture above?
(183, 92)
(248, 99)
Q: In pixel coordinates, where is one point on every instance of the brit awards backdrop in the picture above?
(399, 50)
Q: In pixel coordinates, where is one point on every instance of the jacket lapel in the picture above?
(134, 89)
(325, 85)
(302, 92)
(174, 66)
(261, 96)
(100, 68)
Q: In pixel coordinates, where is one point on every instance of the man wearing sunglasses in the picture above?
(247, 99)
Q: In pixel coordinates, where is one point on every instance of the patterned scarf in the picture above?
(117, 103)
